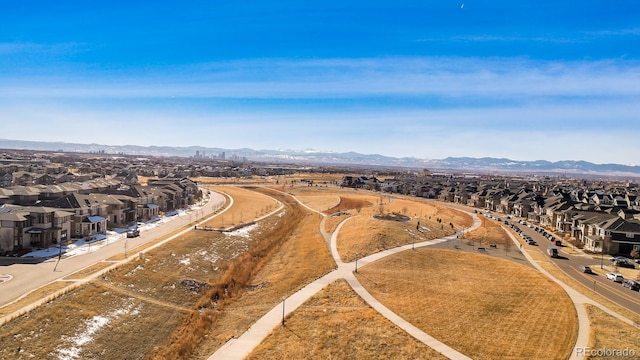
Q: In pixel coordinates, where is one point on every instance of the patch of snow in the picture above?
(186, 261)
(242, 232)
(78, 340)
(92, 326)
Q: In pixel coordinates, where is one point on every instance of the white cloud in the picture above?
(486, 79)
(422, 107)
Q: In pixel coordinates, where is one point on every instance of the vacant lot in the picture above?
(485, 307)
(337, 324)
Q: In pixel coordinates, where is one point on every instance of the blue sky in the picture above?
(428, 79)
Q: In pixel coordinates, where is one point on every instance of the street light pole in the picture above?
(283, 310)
(59, 256)
(356, 262)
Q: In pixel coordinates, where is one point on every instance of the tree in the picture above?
(635, 253)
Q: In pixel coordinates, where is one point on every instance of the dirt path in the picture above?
(141, 297)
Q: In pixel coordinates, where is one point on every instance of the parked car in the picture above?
(586, 269)
(615, 277)
(632, 285)
(624, 264)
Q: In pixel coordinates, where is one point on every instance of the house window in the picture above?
(630, 236)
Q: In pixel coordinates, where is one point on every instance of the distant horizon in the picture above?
(284, 150)
(501, 79)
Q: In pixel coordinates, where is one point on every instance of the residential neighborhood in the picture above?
(48, 198)
(43, 204)
(597, 216)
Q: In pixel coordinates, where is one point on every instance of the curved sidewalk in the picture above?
(579, 301)
(241, 347)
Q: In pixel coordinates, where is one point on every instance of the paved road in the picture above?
(28, 277)
(570, 264)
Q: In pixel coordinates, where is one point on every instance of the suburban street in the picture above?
(28, 277)
(570, 264)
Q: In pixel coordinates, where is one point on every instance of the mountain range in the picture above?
(311, 157)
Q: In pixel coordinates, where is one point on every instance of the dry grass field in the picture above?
(337, 324)
(366, 234)
(487, 308)
(302, 257)
(611, 333)
(489, 232)
(198, 291)
(248, 205)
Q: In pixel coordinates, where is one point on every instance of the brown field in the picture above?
(337, 324)
(302, 257)
(365, 234)
(611, 333)
(480, 310)
(486, 308)
(488, 233)
(248, 205)
(319, 202)
(348, 203)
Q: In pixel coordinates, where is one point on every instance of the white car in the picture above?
(615, 277)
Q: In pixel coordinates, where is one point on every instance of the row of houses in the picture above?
(602, 217)
(30, 218)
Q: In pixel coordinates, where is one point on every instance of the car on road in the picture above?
(586, 269)
(632, 285)
(133, 233)
(615, 277)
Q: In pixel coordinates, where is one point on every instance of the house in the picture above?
(90, 214)
(6, 180)
(23, 178)
(25, 195)
(24, 228)
(477, 199)
(618, 236)
(45, 179)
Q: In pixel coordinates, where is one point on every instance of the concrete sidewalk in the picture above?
(241, 347)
